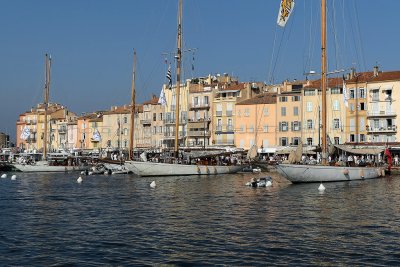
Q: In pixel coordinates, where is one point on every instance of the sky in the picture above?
(91, 43)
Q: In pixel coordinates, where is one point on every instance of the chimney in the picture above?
(376, 71)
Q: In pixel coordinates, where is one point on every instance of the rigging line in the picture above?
(332, 19)
(355, 43)
(269, 77)
(288, 37)
(359, 36)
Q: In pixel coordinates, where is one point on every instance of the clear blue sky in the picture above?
(92, 41)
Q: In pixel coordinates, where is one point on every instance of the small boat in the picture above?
(260, 182)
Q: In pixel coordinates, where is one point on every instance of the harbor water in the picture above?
(51, 220)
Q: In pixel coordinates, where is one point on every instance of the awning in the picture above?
(306, 150)
(267, 150)
(361, 150)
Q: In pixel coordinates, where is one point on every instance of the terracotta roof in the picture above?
(152, 101)
(267, 98)
(232, 86)
(332, 82)
(368, 76)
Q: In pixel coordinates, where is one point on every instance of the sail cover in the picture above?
(285, 9)
(26, 132)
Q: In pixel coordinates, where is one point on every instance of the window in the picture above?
(125, 131)
(309, 107)
(336, 105)
(336, 124)
(242, 128)
(160, 129)
(160, 116)
(195, 101)
(351, 107)
(295, 98)
(362, 124)
(362, 138)
(265, 128)
(239, 112)
(362, 106)
(295, 141)
(352, 138)
(283, 141)
(352, 95)
(251, 129)
(125, 143)
(246, 112)
(375, 95)
(125, 119)
(309, 141)
(296, 111)
(283, 99)
(206, 100)
(362, 92)
(310, 124)
(352, 125)
(336, 140)
(283, 111)
(296, 126)
(336, 91)
(265, 111)
(309, 92)
(283, 126)
(219, 110)
(154, 116)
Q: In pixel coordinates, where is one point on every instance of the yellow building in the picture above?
(255, 122)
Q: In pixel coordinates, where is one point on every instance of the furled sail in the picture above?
(286, 8)
(252, 153)
(295, 156)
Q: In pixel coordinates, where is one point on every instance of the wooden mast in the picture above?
(323, 80)
(178, 79)
(132, 106)
(46, 101)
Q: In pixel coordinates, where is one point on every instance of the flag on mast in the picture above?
(169, 77)
(345, 99)
(26, 132)
(286, 8)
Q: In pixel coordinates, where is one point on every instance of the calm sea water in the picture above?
(50, 219)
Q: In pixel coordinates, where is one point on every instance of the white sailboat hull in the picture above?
(317, 173)
(41, 166)
(165, 169)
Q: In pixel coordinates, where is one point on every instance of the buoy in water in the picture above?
(153, 184)
(14, 177)
(321, 188)
(4, 176)
(79, 180)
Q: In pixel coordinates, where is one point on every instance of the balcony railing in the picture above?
(172, 121)
(218, 113)
(199, 133)
(229, 113)
(381, 113)
(172, 134)
(387, 129)
(62, 129)
(145, 122)
(199, 106)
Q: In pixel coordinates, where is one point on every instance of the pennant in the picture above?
(285, 10)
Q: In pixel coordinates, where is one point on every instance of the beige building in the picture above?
(255, 122)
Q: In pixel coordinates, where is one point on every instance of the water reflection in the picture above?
(119, 220)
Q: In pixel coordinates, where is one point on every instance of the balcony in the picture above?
(171, 135)
(381, 113)
(30, 122)
(229, 113)
(62, 130)
(199, 106)
(172, 121)
(145, 122)
(387, 129)
(218, 113)
(199, 133)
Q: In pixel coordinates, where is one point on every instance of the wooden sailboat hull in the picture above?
(317, 173)
(165, 169)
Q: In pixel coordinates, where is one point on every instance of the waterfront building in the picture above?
(4, 140)
(336, 112)
(289, 113)
(255, 122)
(33, 120)
(226, 95)
(88, 124)
(149, 132)
(58, 128)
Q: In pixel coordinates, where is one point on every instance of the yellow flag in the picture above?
(285, 10)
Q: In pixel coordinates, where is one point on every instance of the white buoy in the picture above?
(153, 184)
(82, 172)
(79, 180)
(321, 187)
(4, 176)
(269, 183)
(14, 177)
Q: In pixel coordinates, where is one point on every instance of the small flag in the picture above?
(345, 99)
(169, 77)
(96, 136)
(162, 100)
(285, 10)
(26, 132)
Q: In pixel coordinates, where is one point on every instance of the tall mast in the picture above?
(178, 79)
(46, 101)
(132, 106)
(323, 79)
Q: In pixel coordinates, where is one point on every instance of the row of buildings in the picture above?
(221, 111)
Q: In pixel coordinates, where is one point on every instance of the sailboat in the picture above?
(51, 162)
(146, 168)
(321, 173)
